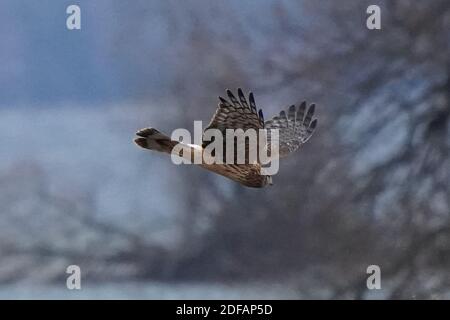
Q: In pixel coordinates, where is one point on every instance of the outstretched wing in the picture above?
(237, 114)
(295, 128)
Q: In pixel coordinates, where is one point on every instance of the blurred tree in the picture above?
(372, 186)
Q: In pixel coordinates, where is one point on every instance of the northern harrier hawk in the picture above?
(295, 128)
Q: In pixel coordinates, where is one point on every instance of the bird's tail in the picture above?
(152, 139)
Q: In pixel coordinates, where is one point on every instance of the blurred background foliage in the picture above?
(371, 187)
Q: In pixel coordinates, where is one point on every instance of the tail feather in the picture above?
(152, 139)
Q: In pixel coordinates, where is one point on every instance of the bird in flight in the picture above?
(295, 126)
